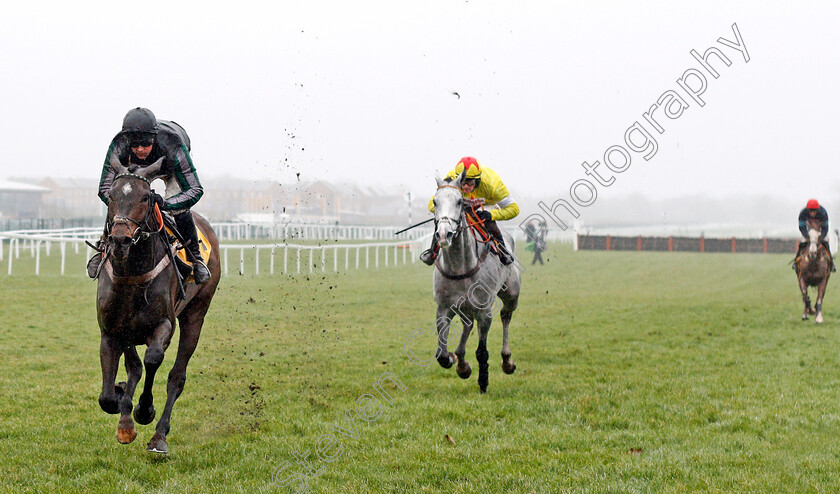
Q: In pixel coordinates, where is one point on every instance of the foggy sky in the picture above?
(362, 91)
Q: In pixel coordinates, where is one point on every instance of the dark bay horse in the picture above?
(138, 300)
(466, 282)
(813, 268)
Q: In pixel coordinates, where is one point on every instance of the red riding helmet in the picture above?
(812, 204)
(471, 164)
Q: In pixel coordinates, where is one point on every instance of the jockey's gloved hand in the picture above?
(158, 200)
(484, 215)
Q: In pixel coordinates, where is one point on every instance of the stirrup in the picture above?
(428, 257)
(93, 265)
(200, 272)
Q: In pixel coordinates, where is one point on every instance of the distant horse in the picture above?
(813, 268)
(467, 281)
(137, 301)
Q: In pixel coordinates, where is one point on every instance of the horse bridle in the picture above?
(138, 234)
(457, 225)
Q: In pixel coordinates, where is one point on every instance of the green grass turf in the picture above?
(637, 372)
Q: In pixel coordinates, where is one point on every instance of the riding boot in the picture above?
(186, 226)
(95, 261)
(504, 255)
(831, 258)
(429, 255)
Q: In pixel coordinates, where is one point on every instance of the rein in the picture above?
(476, 225)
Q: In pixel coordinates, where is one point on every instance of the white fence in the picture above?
(354, 255)
(249, 231)
(364, 256)
(254, 258)
(255, 231)
(34, 240)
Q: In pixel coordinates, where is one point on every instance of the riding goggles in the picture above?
(140, 139)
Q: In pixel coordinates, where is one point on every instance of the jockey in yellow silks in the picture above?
(480, 183)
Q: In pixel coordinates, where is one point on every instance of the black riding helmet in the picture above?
(140, 126)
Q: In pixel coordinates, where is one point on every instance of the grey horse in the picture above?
(467, 279)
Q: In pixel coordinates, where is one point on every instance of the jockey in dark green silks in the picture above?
(142, 141)
(481, 183)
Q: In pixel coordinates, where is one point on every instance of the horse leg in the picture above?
(464, 370)
(508, 365)
(134, 368)
(510, 298)
(110, 351)
(190, 324)
(481, 354)
(818, 306)
(803, 287)
(157, 344)
(444, 318)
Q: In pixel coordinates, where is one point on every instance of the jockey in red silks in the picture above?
(481, 184)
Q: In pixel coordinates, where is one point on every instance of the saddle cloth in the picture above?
(203, 244)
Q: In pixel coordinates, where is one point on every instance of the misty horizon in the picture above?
(762, 211)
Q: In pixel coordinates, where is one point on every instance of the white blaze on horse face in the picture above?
(814, 237)
(126, 189)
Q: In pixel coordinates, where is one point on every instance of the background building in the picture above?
(19, 200)
(230, 199)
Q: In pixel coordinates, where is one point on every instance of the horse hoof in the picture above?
(464, 371)
(805, 316)
(482, 389)
(125, 430)
(158, 444)
(109, 405)
(818, 319)
(508, 367)
(447, 361)
(125, 436)
(144, 416)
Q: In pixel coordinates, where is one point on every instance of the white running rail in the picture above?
(343, 256)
